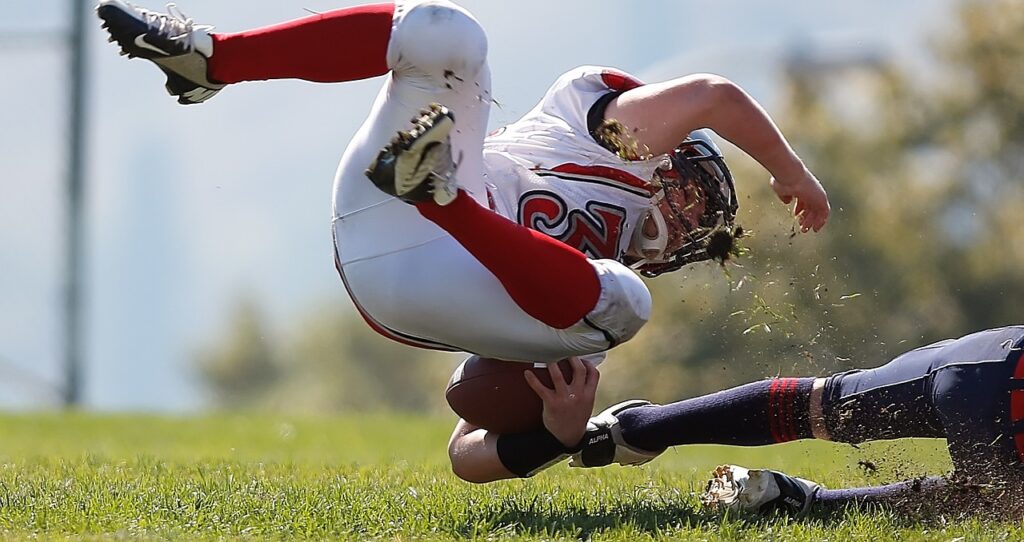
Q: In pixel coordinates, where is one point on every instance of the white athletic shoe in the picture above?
(761, 491)
(417, 165)
(170, 40)
(603, 443)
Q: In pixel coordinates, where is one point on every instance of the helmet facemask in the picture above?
(695, 165)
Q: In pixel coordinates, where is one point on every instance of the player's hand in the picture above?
(567, 407)
(812, 208)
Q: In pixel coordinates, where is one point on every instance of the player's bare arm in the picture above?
(480, 456)
(661, 114)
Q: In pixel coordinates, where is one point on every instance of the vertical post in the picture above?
(75, 235)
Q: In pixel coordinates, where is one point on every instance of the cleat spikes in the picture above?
(417, 164)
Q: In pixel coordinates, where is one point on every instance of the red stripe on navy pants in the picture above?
(782, 409)
(790, 419)
(1017, 408)
(340, 45)
(548, 279)
(773, 409)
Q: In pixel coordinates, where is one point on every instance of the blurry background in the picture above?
(209, 280)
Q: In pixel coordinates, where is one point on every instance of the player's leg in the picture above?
(765, 491)
(473, 453)
(756, 414)
(907, 491)
(460, 274)
(635, 432)
(979, 403)
(951, 389)
(549, 280)
(892, 401)
(335, 46)
(887, 402)
(965, 383)
(340, 45)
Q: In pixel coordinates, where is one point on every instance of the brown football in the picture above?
(494, 395)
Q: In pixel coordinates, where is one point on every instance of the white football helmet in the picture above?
(696, 161)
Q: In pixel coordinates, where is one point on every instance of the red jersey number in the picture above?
(594, 231)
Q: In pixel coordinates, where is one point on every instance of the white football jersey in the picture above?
(545, 171)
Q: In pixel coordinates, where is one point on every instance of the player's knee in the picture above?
(625, 302)
(464, 463)
(467, 473)
(469, 470)
(437, 40)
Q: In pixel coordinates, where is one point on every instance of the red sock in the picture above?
(548, 279)
(340, 45)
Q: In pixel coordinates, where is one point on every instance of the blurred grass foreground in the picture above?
(93, 477)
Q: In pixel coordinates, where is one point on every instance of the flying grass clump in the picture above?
(723, 244)
(614, 136)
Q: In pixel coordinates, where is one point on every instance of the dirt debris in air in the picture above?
(722, 243)
(952, 497)
(614, 136)
(993, 492)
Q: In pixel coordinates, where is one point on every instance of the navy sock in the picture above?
(887, 494)
(766, 412)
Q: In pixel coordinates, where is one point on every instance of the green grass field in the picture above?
(101, 477)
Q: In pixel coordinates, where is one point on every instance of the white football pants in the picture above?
(409, 278)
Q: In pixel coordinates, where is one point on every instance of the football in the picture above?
(494, 395)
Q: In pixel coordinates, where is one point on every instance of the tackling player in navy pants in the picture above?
(969, 391)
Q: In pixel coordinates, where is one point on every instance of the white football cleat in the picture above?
(417, 165)
(170, 40)
(761, 491)
(603, 443)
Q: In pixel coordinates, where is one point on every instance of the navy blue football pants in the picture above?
(969, 391)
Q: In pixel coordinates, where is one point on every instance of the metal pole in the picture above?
(75, 236)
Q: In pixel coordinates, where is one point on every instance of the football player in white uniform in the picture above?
(514, 246)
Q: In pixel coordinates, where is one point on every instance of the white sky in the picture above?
(191, 208)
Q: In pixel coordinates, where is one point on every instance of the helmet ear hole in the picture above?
(651, 247)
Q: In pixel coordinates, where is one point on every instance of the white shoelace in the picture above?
(175, 25)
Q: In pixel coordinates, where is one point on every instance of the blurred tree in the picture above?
(329, 362)
(243, 367)
(924, 172)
